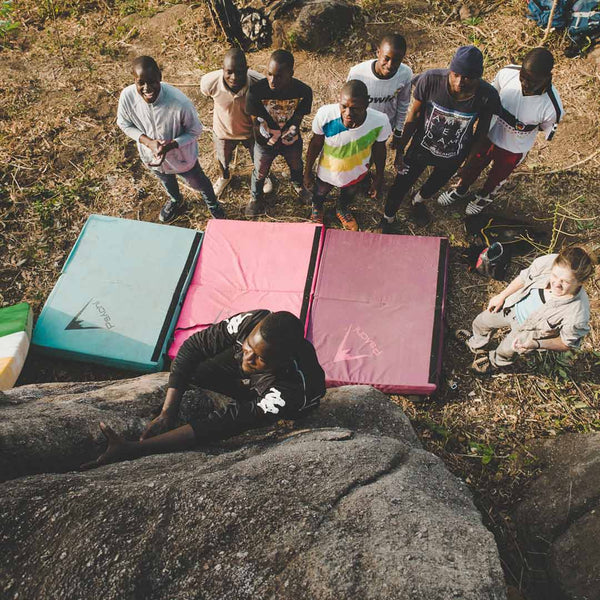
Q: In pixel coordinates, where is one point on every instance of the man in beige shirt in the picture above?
(231, 123)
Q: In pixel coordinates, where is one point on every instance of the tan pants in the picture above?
(485, 324)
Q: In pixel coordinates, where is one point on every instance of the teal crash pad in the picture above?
(119, 294)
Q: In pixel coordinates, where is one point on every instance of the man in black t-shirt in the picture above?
(447, 104)
(259, 359)
(277, 105)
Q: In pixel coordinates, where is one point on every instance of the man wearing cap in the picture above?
(440, 126)
(530, 103)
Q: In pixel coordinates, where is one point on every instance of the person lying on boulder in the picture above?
(545, 307)
(259, 359)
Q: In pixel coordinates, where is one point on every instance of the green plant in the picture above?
(484, 451)
(7, 24)
(473, 21)
(50, 203)
(553, 364)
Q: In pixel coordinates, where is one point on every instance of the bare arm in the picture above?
(480, 139)
(555, 344)
(378, 155)
(410, 126)
(312, 153)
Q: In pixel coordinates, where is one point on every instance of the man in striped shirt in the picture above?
(348, 136)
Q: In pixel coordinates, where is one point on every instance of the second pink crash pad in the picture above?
(377, 312)
(249, 265)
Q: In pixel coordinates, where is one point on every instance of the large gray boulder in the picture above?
(321, 22)
(344, 505)
(558, 521)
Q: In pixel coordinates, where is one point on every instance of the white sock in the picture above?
(418, 198)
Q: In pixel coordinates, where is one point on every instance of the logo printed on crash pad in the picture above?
(96, 317)
(343, 353)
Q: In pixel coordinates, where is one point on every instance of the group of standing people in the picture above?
(457, 124)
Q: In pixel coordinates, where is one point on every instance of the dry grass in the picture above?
(63, 158)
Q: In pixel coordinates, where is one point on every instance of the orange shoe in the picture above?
(346, 218)
(316, 215)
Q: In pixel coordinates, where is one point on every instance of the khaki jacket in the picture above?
(567, 318)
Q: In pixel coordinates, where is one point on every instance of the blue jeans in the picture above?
(322, 188)
(196, 179)
(264, 157)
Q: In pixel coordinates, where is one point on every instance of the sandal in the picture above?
(482, 365)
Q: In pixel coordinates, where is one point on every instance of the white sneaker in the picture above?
(220, 185)
(267, 186)
(476, 206)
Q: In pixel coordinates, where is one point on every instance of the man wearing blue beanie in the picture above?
(440, 126)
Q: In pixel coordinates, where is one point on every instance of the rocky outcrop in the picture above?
(559, 519)
(321, 22)
(346, 505)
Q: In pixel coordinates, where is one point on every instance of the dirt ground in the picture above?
(63, 158)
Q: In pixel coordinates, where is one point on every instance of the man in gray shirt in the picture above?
(165, 125)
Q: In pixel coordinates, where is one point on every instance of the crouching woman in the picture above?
(545, 307)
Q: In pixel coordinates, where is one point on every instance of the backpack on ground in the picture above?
(584, 26)
(517, 236)
(539, 11)
(493, 261)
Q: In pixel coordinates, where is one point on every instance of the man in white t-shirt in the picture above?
(388, 80)
(529, 103)
(348, 136)
(232, 125)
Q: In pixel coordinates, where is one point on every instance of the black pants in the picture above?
(440, 175)
(322, 189)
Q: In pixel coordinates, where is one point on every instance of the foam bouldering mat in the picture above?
(377, 311)
(15, 336)
(119, 293)
(246, 265)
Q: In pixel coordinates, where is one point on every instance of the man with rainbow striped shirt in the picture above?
(348, 137)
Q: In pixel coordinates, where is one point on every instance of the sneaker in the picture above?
(267, 186)
(463, 336)
(254, 208)
(482, 365)
(316, 215)
(476, 206)
(220, 185)
(346, 218)
(449, 197)
(170, 210)
(420, 215)
(218, 213)
(384, 226)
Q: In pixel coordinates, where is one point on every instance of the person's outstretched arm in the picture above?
(119, 448)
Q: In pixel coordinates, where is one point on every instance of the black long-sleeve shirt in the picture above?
(212, 360)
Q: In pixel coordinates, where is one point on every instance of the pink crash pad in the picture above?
(377, 312)
(248, 265)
